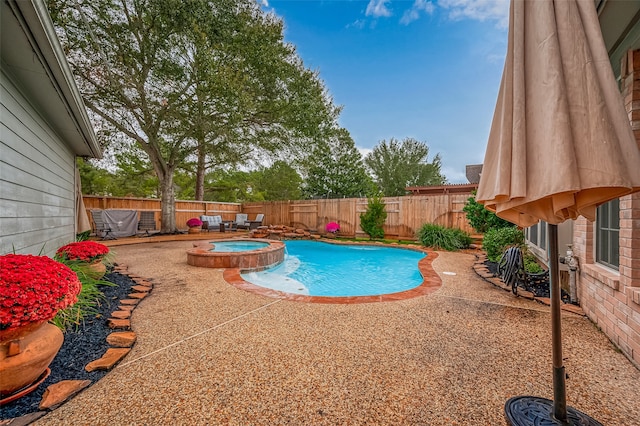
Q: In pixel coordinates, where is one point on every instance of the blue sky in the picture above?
(426, 69)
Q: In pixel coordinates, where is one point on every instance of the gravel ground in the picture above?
(81, 346)
(208, 353)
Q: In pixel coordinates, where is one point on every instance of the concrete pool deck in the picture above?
(208, 353)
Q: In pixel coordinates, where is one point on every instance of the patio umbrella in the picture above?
(560, 145)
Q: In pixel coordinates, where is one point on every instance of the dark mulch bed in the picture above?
(81, 346)
(538, 291)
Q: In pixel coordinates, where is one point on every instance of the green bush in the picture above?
(482, 219)
(372, 220)
(441, 238)
(497, 240)
(88, 299)
(531, 264)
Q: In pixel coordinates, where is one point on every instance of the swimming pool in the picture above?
(322, 269)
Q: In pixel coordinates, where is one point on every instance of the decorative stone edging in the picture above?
(121, 342)
(481, 269)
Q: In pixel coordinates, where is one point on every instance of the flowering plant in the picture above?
(33, 289)
(194, 222)
(332, 227)
(85, 251)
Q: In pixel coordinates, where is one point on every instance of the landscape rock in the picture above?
(122, 339)
(119, 323)
(59, 392)
(108, 360)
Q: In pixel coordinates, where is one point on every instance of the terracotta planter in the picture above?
(195, 230)
(26, 354)
(97, 270)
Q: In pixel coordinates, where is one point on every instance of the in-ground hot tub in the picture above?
(247, 254)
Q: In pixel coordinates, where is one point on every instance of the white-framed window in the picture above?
(607, 235)
(537, 235)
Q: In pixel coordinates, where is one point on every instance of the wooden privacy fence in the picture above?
(185, 210)
(405, 215)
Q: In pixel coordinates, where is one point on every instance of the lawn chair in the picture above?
(241, 221)
(512, 272)
(100, 228)
(147, 222)
(253, 224)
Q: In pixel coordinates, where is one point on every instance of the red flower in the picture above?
(33, 289)
(332, 227)
(86, 251)
(194, 222)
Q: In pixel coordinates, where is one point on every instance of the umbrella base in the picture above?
(535, 411)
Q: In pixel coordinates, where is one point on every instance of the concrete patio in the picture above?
(209, 353)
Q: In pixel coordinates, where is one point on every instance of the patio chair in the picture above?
(512, 272)
(242, 221)
(253, 224)
(147, 222)
(100, 228)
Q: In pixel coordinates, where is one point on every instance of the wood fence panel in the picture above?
(304, 214)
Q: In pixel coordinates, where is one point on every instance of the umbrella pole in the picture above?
(559, 385)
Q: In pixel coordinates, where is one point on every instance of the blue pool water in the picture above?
(237, 245)
(320, 269)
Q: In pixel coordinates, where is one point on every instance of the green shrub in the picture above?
(83, 236)
(372, 220)
(441, 238)
(88, 299)
(531, 264)
(482, 219)
(497, 240)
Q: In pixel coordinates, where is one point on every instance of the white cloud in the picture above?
(358, 23)
(481, 10)
(378, 8)
(413, 14)
(265, 3)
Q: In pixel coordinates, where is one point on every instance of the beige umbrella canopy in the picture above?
(82, 220)
(560, 145)
(560, 142)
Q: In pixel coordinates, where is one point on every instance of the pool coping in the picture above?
(431, 282)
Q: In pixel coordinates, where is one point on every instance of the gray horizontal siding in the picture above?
(37, 195)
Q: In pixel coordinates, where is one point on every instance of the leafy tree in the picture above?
(94, 180)
(335, 169)
(482, 219)
(372, 220)
(397, 165)
(168, 74)
(279, 182)
(232, 186)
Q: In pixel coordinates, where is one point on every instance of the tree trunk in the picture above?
(201, 171)
(168, 204)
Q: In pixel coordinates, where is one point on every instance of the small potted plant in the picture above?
(32, 291)
(195, 225)
(332, 229)
(91, 252)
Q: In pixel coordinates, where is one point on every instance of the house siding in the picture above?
(610, 298)
(37, 182)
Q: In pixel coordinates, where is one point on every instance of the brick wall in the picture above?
(611, 298)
